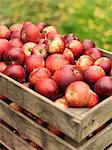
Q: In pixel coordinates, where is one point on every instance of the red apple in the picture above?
(15, 106)
(70, 37)
(93, 73)
(16, 35)
(48, 88)
(55, 131)
(76, 47)
(3, 66)
(61, 102)
(16, 72)
(41, 26)
(40, 49)
(16, 27)
(49, 29)
(77, 94)
(84, 62)
(105, 63)
(95, 53)
(4, 46)
(103, 87)
(94, 100)
(87, 44)
(38, 74)
(15, 43)
(33, 62)
(4, 32)
(14, 56)
(55, 62)
(69, 55)
(56, 44)
(66, 75)
(43, 41)
(27, 48)
(30, 33)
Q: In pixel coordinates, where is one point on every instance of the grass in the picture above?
(85, 18)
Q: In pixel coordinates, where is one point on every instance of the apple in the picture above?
(87, 44)
(105, 63)
(93, 73)
(16, 27)
(95, 53)
(56, 44)
(103, 87)
(15, 43)
(16, 72)
(27, 48)
(41, 26)
(33, 62)
(76, 47)
(94, 99)
(38, 74)
(15, 106)
(16, 35)
(84, 62)
(111, 73)
(55, 131)
(49, 29)
(61, 102)
(14, 56)
(4, 46)
(66, 75)
(4, 32)
(55, 62)
(69, 55)
(30, 33)
(3, 66)
(70, 37)
(77, 94)
(40, 49)
(48, 88)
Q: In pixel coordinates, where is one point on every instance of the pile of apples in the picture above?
(68, 71)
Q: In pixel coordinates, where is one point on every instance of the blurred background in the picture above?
(86, 18)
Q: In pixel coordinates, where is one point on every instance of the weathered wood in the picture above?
(100, 141)
(33, 131)
(13, 141)
(107, 53)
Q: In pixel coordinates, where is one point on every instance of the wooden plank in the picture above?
(100, 141)
(96, 117)
(13, 141)
(40, 106)
(107, 53)
(33, 131)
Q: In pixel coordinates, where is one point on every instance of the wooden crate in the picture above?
(76, 123)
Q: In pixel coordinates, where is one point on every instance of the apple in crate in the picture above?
(38, 74)
(15, 43)
(84, 62)
(41, 26)
(33, 62)
(14, 56)
(4, 46)
(70, 37)
(49, 29)
(105, 63)
(3, 66)
(93, 73)
(77, 94)
(87, 44)
(27, 48)
(48, 88)
(103, 87)
(61, 102)
(16, 72)
(16, 27)
(55, 62)
(69, 55)
(4, 32)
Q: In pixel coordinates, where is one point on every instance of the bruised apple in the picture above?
(77, 94)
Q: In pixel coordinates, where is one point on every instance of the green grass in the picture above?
(86, 18)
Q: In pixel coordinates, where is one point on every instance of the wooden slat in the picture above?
(13, 141)
(36, 133)
(100, 141)
(107, 53)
